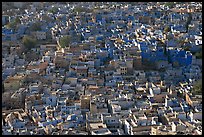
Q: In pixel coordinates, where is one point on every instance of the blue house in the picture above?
(117, 78)
(98, 17)
(100, 38)
(157, 14)
(130, 17)
(7, 34)
(160, 54)
(180, 28)
(144, 31)
(102, 55)
(182, 57)
(142, 46)
(146, 55)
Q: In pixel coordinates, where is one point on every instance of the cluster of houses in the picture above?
(120, 74)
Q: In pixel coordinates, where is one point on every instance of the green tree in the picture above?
(79, 9)
(17, 20)
(189, 18)
(82, 9)
(54, 10)
(47, 18)
(170, 4)
(29, 42)
(64, 41)
(36, 26)
(167, 29)
(176, 64)
(13, 24)
(199, 55)
(188, 21)
(186, 48)
(197, 87)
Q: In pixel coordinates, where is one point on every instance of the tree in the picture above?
(54, 10)
(13, 24)
(197, 87)
(36, 26)
(167, 29)
(47, 18)
(165, 50)
(29, 42)
(188, 21)
(176, 64)
(186, 48)
(189, 18)
(82, 37)
(64, 41)
(199, 55)
(17, 20)
(182, 42)
(170, 5)
(164, 45)
(82, 9)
